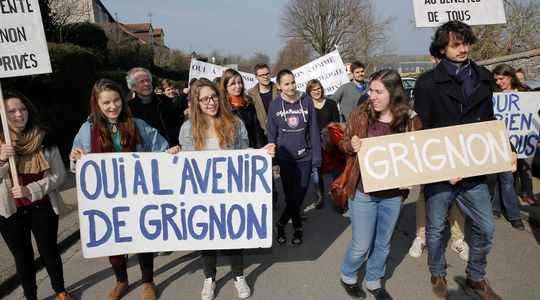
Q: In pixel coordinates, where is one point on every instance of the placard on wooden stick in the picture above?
(23, 47)
(434, 155)
(23, 51)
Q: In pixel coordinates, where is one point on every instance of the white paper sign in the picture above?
(519, 111)
(151, 202)
(210, 71)
(328, 69)
(23, 47)
(432, 13)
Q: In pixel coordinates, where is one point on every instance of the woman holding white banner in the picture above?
(33, 206)
(374, 215)
(212, 126)
(111, 128)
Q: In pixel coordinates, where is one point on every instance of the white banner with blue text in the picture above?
(519, 111)
(150, 202)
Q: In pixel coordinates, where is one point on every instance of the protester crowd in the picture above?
(310, 135)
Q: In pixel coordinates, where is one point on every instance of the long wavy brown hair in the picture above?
(224, 121)
(398, 100)
(129, 134)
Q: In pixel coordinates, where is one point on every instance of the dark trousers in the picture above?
(209, 258)
(41, 221)
(295, 177)
(505, 197)
(146, 262)
(523, 178)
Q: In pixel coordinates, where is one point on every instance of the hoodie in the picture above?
(293, 128)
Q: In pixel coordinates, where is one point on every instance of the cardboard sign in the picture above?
(328, 69)
(23, 47)
(434, 155)
(210, 71)
(150, 202)
(519, 112)
(432, 13)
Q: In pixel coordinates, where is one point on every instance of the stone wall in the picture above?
(529, 61)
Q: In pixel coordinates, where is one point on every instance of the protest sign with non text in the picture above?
(23, 47)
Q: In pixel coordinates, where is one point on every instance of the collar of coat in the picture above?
(441, 73)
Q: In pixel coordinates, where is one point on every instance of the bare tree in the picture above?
(325, 24)
(520, 33)
(293, 55)
(69, 11)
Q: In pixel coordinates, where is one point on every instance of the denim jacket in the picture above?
(152, 141)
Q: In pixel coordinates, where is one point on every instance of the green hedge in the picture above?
(86, 35)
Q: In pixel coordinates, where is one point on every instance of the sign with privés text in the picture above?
(23, 47)
(434, 155)
(150, 202)
(432, 13)
(519, 112)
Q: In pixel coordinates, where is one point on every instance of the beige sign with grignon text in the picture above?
(433, 155)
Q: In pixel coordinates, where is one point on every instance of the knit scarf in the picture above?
(29, 151)
(237, 101)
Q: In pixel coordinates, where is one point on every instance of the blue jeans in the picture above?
(475, 203)
(505, 194)
(373, 221)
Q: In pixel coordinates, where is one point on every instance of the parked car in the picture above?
(408, 85)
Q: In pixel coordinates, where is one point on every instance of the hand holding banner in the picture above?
(434, 155)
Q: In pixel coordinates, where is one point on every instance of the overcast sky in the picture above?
(245, 26)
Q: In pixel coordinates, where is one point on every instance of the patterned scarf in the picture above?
(29, 151)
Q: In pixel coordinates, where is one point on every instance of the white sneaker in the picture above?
(461, 248)
(242, 287)
(208, 288)
(417, 247)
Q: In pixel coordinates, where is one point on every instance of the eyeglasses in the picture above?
(264, 75)
(206, 100)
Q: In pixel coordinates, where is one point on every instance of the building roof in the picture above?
(139, 27)
(105, 10)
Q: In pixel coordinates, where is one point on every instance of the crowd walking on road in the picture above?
(312, 138)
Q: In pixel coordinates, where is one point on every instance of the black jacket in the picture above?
(248, 115)
(160, 113)
(439, 100)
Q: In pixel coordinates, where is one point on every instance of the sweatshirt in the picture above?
(293, 128)
(348, 96)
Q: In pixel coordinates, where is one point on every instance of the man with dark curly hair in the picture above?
(457, 91)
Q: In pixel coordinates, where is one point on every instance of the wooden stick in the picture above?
(7, 137)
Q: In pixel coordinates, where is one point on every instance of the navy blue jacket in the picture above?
(293, 128)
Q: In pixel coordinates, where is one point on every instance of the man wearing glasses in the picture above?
(262, 93)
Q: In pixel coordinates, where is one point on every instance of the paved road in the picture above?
(311, 271)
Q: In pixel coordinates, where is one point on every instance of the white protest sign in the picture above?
(23, 47)
(150, 202)
(434, 155)
(210, 71)
(519, 111)
(432, 13)
(328, 69)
